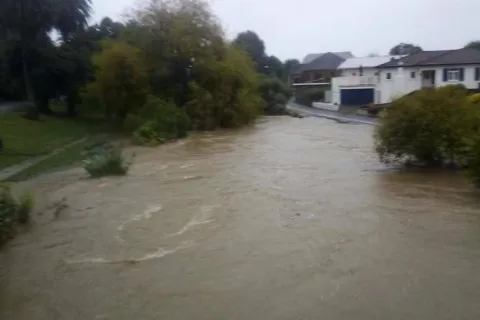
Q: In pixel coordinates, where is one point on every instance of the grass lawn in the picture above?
(67, 157)
(24, 138)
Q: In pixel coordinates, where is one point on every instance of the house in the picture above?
(357, 80)
(427, 69)
(319, 68)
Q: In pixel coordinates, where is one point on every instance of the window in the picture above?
(389, 76)
(453, 75)
(412, 74)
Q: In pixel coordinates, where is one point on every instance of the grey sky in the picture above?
(294, 28)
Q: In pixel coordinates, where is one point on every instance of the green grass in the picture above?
(24, 138)
(67, 157)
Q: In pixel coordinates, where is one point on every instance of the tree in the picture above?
(405, 49)
(254, 46)
(428, 126)
(274, 67)
(121, 82)
(289, 67)
(225, 93)
(275, 94)
(177, 37)
(31, 20)
(473, 45)
(75, 66)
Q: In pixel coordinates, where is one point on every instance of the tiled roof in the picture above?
(434, 58)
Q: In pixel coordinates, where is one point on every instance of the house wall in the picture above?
(348, 81)
(313, 75)
(468, 75)
(367, 72)
(401, 82)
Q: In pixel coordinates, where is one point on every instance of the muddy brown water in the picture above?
(289, 219)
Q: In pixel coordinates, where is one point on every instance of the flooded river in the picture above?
(289, 219)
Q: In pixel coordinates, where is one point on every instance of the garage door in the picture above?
(356, 97)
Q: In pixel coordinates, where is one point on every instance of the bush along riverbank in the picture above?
(437, 126)
(13, 212)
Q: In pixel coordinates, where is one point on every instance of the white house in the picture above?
(358, 80)
(380, 80)
(428, 69)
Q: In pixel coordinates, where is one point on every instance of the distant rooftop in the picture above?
(438, 57)
(312, 56)
(366, 62)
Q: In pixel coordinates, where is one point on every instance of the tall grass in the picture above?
(105, 160)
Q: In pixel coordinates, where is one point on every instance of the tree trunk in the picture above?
(43, 106)
(32, 112)
(71, 106)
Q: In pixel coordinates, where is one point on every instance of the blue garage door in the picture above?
(356, 97)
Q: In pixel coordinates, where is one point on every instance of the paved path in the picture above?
(8, 172)
(11, 106)
(332, 115)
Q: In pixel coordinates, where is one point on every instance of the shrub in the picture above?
(474, 98)
(13, 212)
(473, 159)
(106, 160)
(275, 94)
(158, 121)
(306, 96)
(428, 126)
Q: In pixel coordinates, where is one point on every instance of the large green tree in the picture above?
(32, 20)
(405, 49)
(177, 37)
(255, 47)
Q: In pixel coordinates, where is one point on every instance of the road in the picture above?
(332, 115)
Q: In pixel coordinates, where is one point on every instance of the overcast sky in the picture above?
(294, 28)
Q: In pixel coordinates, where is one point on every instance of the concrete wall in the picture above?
(399, 84)
(325, 106)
